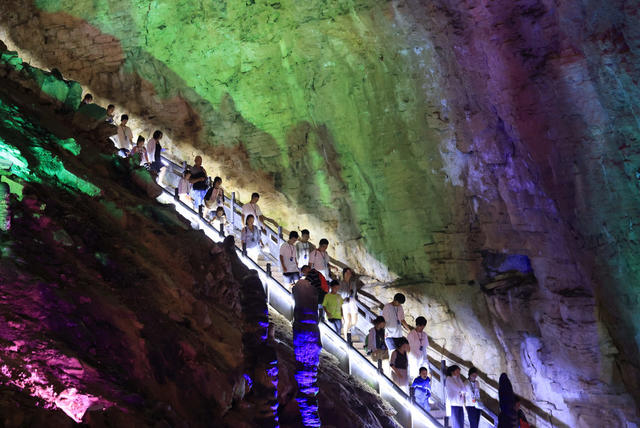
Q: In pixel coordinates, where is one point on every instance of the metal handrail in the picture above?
(277, 237)
(329, 331)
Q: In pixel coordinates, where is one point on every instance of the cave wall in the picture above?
(433, 140)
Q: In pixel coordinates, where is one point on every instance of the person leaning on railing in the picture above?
(252, 208)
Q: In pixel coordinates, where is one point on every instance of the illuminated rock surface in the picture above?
(113, 312)
(485, 152)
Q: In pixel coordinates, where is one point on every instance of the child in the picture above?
(184, 186)
(422, 389)
(399, 363)
(221, 219)
(332, 304)
(375, 340)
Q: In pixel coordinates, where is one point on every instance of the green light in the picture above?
(51, 166)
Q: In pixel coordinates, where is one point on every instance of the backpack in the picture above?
(320, 283)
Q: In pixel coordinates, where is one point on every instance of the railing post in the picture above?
(222, 229)
(200, 210)
(244, 249)
(412, 394)
(233, 208)
(269, 270)
(349, 340)
(380, 366)
(443, 378)
(280, 234)
(175, 194)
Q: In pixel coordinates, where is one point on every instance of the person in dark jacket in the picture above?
(508, 418)
(422, 389)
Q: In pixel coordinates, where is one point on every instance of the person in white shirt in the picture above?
(304, 248)
(472, 397)
(319, 259)
(289, 259)
(349, 293)
(125, 136)
(419, 342)
(220, 222)
(252, 208)
(455, 397)
(154, 149)
(250, 237)
(394, 316)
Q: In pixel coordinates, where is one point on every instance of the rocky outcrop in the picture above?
(483, 152)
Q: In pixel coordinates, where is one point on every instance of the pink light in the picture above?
(72, 403)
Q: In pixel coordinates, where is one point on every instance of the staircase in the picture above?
(350, 354)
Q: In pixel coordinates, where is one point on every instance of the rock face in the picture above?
(484, 152)
(113, 312)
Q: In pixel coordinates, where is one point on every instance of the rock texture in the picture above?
(113, 311)
(484, 152)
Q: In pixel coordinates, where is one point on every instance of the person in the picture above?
(522, 419)
(394, 316)
(252, 207)
(304, 248)
(110, 114)
(198, 182)
(306, 302)
(250, 236)
(140, 149)
(332, 305)
(508, 416)
(319, 259)
(125, 136)
(399, 364)
(319, 282)
(217, 195)
(88, 99)
(422, 388)
(154, 150)
(472, 397)
(375, 340)
(220, 219)
(214, 198)
(184, 186)
(349, 294)
(419, 342)
(289, 259)
(455, 393)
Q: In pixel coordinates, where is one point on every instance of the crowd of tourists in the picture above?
(337, 295)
